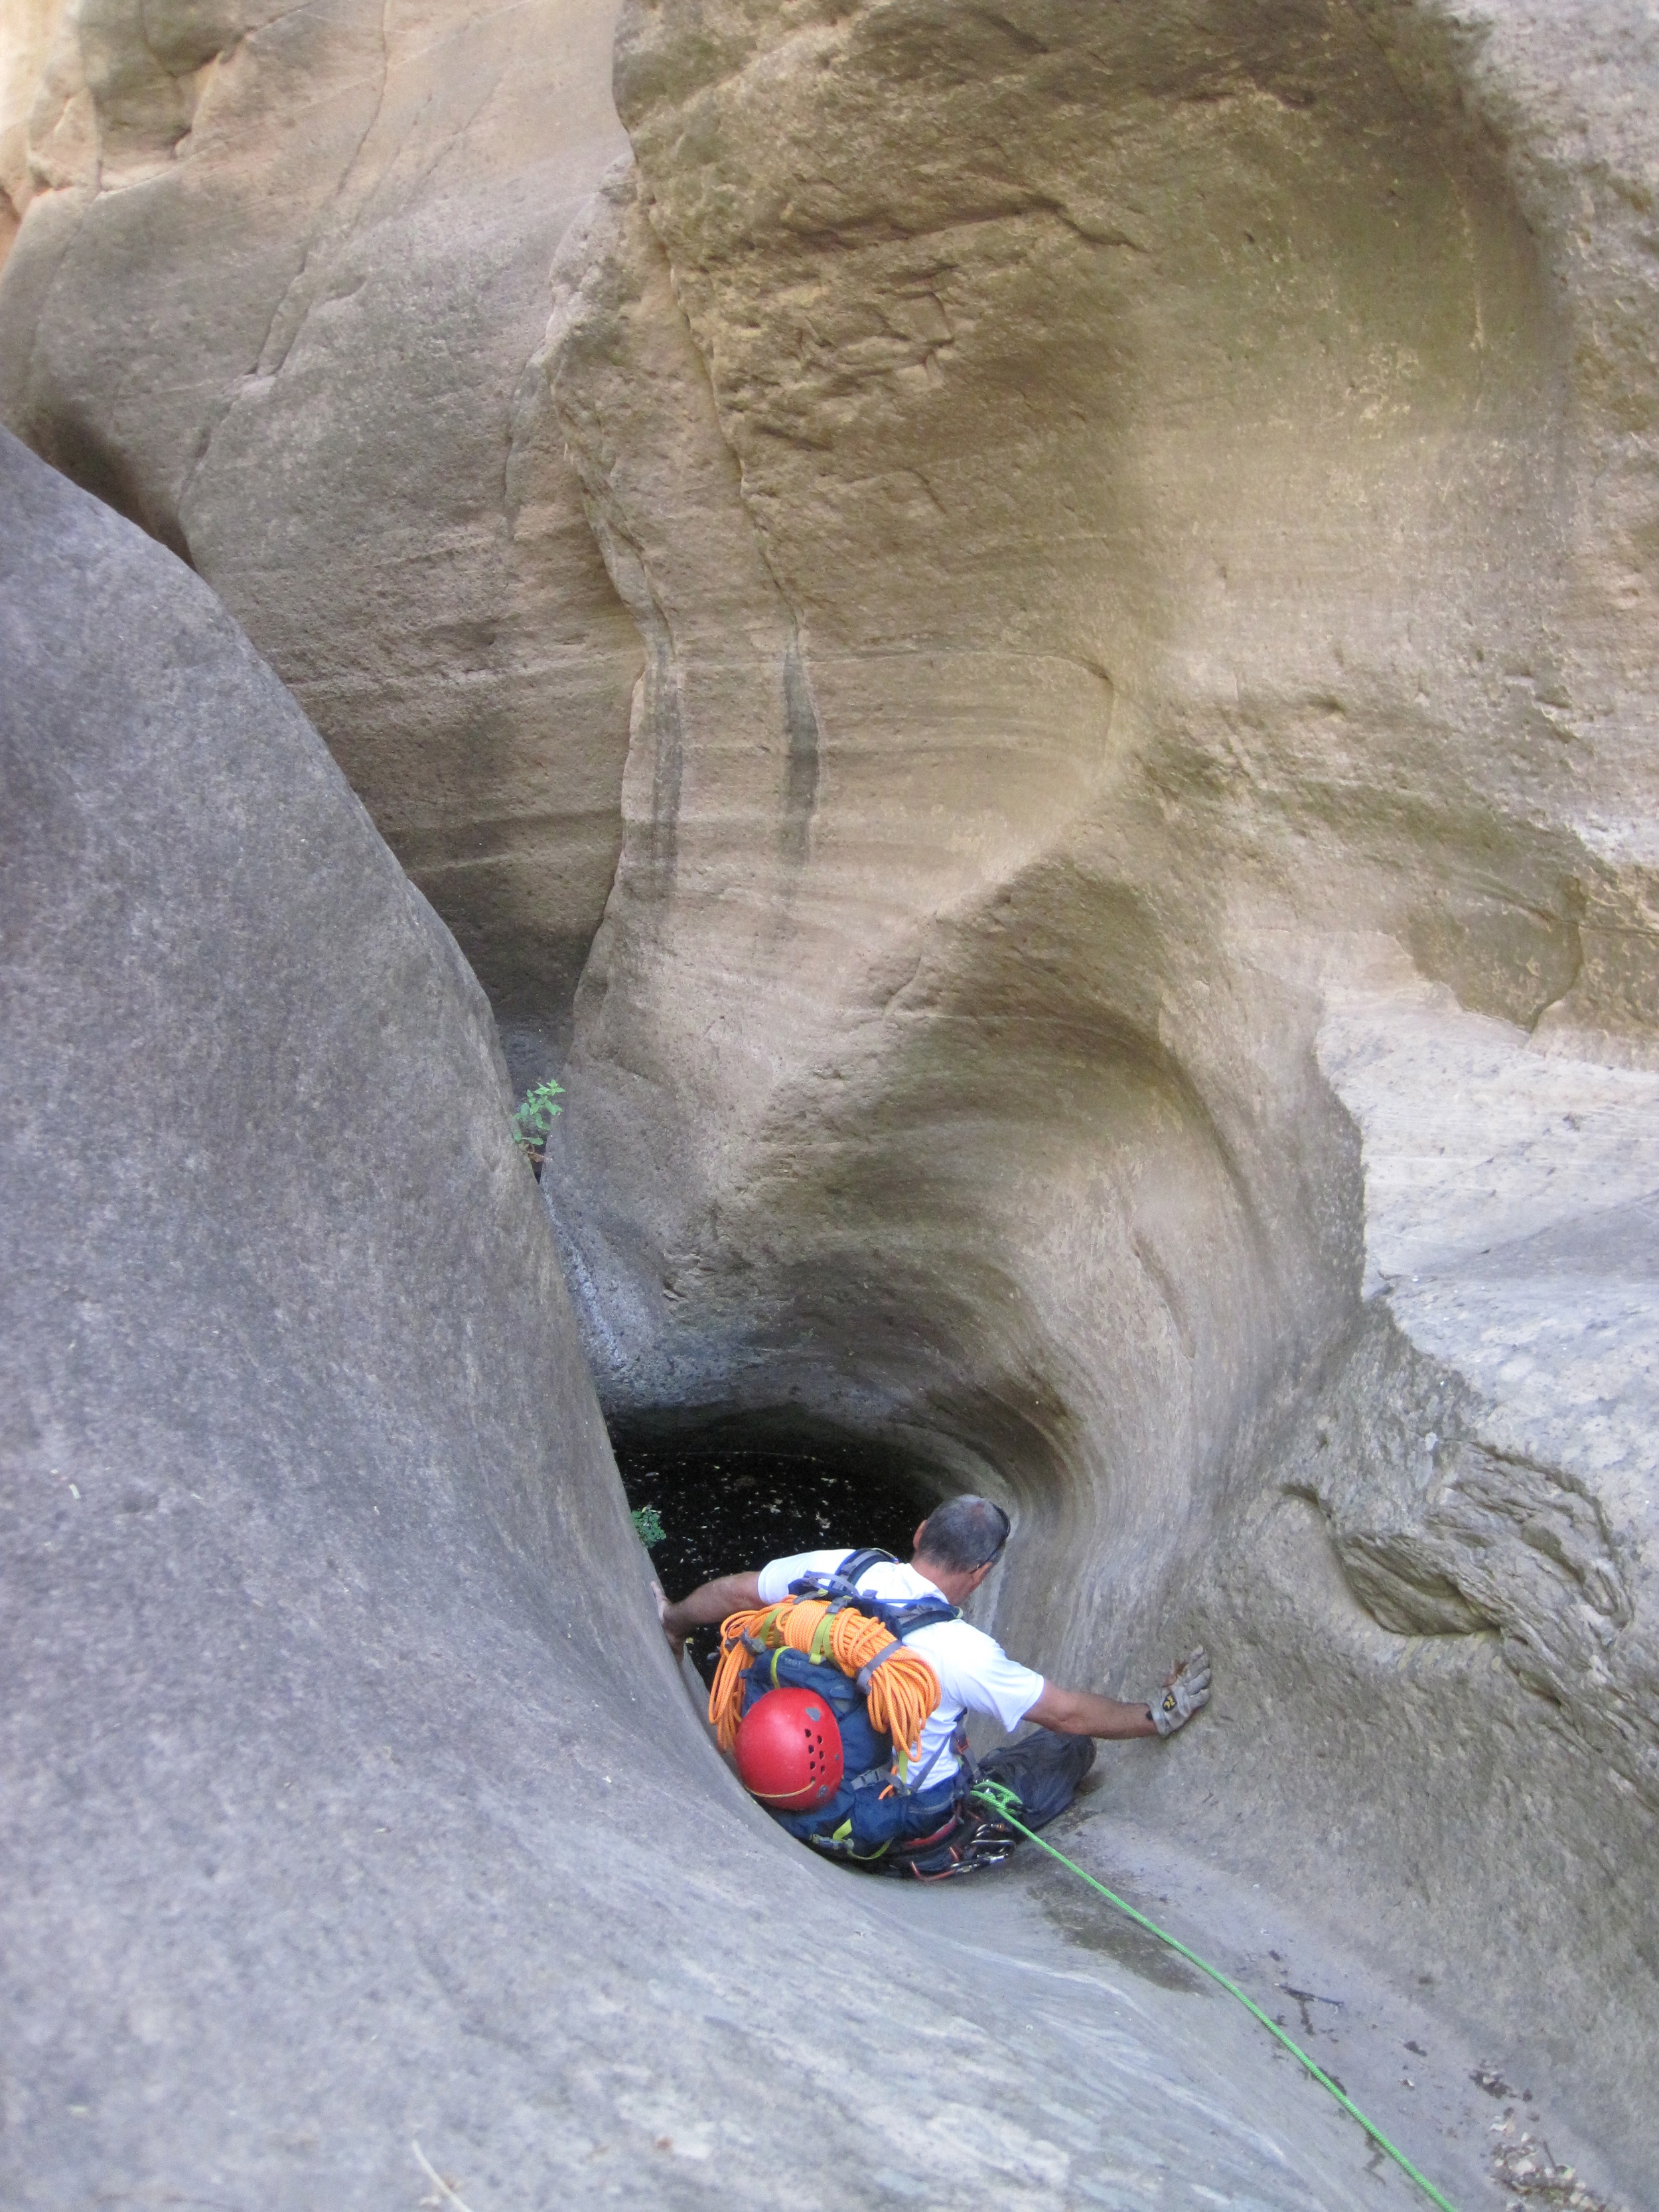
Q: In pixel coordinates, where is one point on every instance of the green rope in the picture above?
(1001, 1802)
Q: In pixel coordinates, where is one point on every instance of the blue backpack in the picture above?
(876, 1806)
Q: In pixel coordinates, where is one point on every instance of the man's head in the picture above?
(959, 1543)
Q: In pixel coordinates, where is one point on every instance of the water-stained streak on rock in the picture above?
(800, 791)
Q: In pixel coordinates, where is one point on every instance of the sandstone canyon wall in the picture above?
(1130, 534)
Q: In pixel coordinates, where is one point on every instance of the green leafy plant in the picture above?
(648, 1522)
(533, 1119)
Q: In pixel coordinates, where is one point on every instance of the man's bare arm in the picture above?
(1075, 1712)
(707, 1605)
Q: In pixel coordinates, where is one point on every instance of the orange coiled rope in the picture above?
(904, 1690)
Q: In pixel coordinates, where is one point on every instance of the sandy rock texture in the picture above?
(29, 29)
(282, 273)
(358, 1843)
(1132, 965)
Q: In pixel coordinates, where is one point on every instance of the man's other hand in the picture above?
(664, 1611)
(1186, 1690)
(706, 1606)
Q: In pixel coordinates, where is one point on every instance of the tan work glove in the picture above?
(1186, 1692)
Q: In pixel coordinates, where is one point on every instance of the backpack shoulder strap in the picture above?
(860, 1563)
(900, 1617)
(918, 1613)
(840, 1587)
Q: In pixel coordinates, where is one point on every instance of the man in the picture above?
(955, 1549)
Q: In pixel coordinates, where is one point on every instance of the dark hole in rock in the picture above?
(733, 1496)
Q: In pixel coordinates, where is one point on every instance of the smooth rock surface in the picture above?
(355, 1828)
(282, 273)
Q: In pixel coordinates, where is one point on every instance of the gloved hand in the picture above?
(1185, 1691)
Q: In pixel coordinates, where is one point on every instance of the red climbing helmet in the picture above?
(789, 1751)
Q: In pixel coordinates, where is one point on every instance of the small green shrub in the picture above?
(533, 1120)
(648, 1522)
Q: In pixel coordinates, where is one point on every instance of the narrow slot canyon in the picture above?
(1017, 642)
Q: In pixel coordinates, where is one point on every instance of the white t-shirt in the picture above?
(975, 1672)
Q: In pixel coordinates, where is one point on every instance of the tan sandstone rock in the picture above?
(27, 34)
(282, 275)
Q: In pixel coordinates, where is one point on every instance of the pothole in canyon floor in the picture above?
(731, 1499)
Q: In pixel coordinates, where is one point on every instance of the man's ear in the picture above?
(915, 1540)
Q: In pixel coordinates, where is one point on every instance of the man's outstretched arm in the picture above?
(706, 1606)
(1076, 1712)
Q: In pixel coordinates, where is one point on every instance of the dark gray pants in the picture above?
(1043, 1769)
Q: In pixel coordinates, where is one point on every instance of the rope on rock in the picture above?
(900, 1691)
(1002, 1804)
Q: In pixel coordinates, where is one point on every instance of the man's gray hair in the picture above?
(963, 1534)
